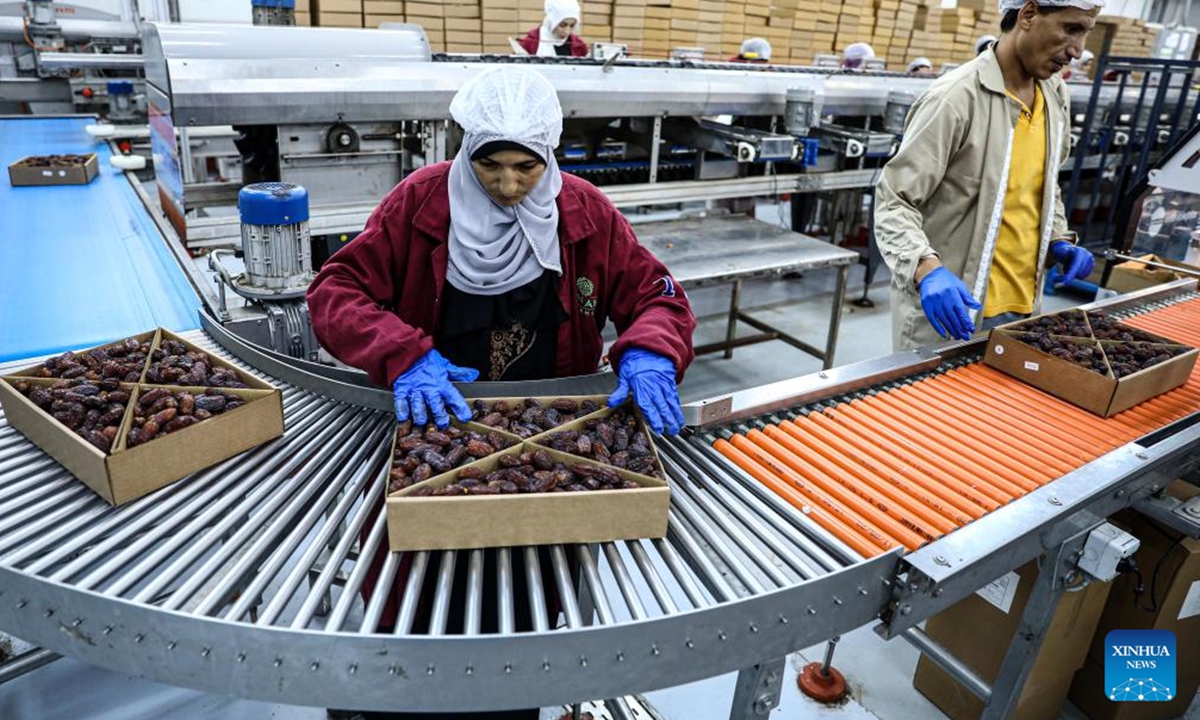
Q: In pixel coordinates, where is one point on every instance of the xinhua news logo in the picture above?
(1139, 665)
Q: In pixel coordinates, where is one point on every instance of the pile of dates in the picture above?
(1086, 354)
(1072, 323)
(161, 411)
(54, 161)
(172, 363)
(530, 417)
(530, 472)
(422, 453)
(613, 440)
(1128, 359)
(1106, 328)
(93, 410)
(121, 361)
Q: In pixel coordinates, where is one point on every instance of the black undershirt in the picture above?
(511, 336)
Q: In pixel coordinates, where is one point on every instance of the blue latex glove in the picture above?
(1077, 262)
(424, 390)
(651, 377)
(945, 300)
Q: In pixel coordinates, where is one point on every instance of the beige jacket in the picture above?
(943, 192)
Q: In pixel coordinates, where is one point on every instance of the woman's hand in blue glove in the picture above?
(945, 300)
(425, 390)
(651, 378)
(1077, 262)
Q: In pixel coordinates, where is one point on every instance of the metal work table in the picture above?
(717, 251)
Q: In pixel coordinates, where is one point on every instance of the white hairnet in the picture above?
(1006, 5)
(559, 10)
(756, 47)
(982, 43)
(511, 103)
(920, 63)
(858, 51)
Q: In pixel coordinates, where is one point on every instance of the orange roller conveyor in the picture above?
(911, 497)
(909, 464)
(910, 469)
(759, 446)
(831, 521)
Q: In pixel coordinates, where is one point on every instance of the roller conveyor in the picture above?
(244, 579)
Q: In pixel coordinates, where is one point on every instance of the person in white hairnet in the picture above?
(920, 66)
(557, 35)
(496, 265)
(983, 43)
(968, 215)
(754, 50)
(1081, 67)
(856, 54)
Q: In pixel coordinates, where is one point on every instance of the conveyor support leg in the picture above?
(757, 691)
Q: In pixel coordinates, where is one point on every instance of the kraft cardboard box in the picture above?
(1131, 275)
(443, 523)
(54, 170)
(1009, 350)
(124, 474)
(1175, 606)
(979, 634)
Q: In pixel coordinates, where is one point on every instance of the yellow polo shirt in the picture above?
(1014, 263)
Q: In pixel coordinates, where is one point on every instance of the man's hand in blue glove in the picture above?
(945, 300)
(651, 377)
(425, 390)
(1077, 262)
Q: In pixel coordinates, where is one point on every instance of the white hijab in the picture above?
(494, 249)
(556, 12)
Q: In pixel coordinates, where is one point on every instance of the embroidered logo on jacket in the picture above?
(668, 285)
(585, 294)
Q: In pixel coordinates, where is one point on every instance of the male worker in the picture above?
(968, 211)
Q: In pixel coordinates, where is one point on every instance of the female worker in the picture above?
(499, 264)
(556, 35)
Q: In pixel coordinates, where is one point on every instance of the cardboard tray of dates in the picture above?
(474, 486)
(130, 417)
(1090, 360)
(54, 170)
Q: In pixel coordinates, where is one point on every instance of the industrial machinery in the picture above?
(56, 57)
(277, 252)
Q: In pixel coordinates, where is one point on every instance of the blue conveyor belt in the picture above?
(80, 265)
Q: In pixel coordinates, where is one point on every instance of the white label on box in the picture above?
(1001, 591)
(62, 173)
(999, 349)
(47, 173)
(1032, 366)
(1191, 603)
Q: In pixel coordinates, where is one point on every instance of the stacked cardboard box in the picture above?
(629, 23)
(303, 13)
(500, 22)
(377, 12)
(1131, 37)
(430, 16)
(338, 13)
(733, 28)
(463, 26)
(596, 23)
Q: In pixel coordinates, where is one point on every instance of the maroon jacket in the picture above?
(375, 303)
(534, 37)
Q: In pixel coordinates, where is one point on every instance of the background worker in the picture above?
(556, 35)
(969, 213)
(984, 42)
(856, 54)
(920, 66)
(1081, 67)
(754, 50)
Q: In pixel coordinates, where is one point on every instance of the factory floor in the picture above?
(879, 674)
